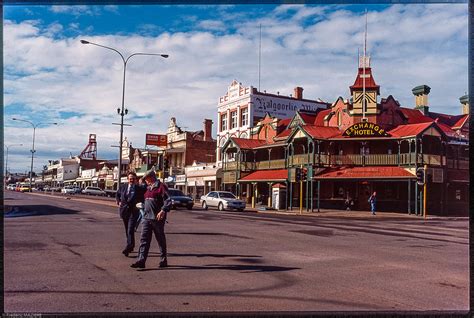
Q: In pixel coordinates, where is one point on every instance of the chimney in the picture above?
(465, 104)
(421, 98)
(298, 92)
(207, 129)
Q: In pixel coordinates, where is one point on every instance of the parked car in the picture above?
(222, 200)
(11, 187)
(93, 191)
(179, 199)
(24, 188)
(71, 190)
(110, 193)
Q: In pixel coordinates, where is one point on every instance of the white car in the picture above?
(70, 190)
(94, 191)
(222, 200)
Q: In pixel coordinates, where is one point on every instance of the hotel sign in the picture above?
(365, 129)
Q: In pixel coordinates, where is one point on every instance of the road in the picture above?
(64, 255)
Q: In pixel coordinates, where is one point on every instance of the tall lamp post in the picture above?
(6, 160)
(122, 111)
(33, 146)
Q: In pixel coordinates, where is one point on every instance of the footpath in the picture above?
(325, 213)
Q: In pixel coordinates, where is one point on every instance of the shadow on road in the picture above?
(210, 255)
(35, 210)
(206, 233)
(231, 267)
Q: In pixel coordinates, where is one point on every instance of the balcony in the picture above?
(271, 164)
(326, 160)
(457, 164)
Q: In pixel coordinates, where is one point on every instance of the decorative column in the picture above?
(270, 194)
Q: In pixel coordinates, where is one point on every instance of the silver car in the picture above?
(222, 200)
(93, 191)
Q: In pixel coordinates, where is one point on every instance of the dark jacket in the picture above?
(128, 201)
(156, 199)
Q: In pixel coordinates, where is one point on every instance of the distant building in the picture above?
(242, 107)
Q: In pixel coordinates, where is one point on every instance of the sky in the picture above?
(49, 76)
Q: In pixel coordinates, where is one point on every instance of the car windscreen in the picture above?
(227, 195)
(175, 193)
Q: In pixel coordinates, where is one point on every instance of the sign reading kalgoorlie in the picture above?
(365, 129)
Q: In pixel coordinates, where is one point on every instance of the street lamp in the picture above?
(6, 160)
(33, 147)
(122, 111)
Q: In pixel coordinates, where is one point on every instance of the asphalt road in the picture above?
(64, 255)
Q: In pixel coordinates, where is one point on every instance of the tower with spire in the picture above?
(364, 91)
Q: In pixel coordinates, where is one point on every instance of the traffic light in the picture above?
(160, 163)
(165, 164)
(420, 176)
(304, 174)
(297, 174)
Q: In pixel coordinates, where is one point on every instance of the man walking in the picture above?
(373, 201)
(127, 197)
(157, 205)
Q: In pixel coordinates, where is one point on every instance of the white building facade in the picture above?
(241, 107)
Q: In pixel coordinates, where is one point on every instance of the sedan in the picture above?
(222, 200)
(178, 199)
(93, 191)
(70, 190)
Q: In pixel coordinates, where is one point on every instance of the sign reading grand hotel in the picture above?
(365, 129)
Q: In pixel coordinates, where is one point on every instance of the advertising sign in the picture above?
(156, 140)
(281, 107)
(365, 129)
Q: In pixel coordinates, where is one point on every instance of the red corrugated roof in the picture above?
(374, 172)
(446, 119)
(284, 122)
(319, 120)
(415, 116)
(369, 81)
(322, 131)
(248, 143)
(461, 121)
(446, 129)
(308, 118)
(267, 175)
(285, 133)
(409, 130)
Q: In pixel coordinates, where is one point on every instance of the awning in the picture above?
(363, 173)
(266, 175)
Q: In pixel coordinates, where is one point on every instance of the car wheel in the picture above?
(220, 207)
(240, 210)
(190, 207)
(204, 205)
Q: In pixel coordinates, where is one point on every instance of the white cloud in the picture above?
(49, 75)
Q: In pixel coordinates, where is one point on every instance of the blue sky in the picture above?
(50, 76)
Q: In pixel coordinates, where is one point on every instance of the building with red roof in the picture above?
(352, 148)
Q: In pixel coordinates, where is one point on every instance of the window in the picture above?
(224, 122)
(245, 117)
(339, 118)
(233, 122)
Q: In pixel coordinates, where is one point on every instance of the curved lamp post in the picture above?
(122, 111)
(6, 159)
(33, 147)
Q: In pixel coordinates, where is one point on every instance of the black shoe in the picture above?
(164, 263)
(139, 264)
(127, 251)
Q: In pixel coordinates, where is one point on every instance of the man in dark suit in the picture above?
(127, 197)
